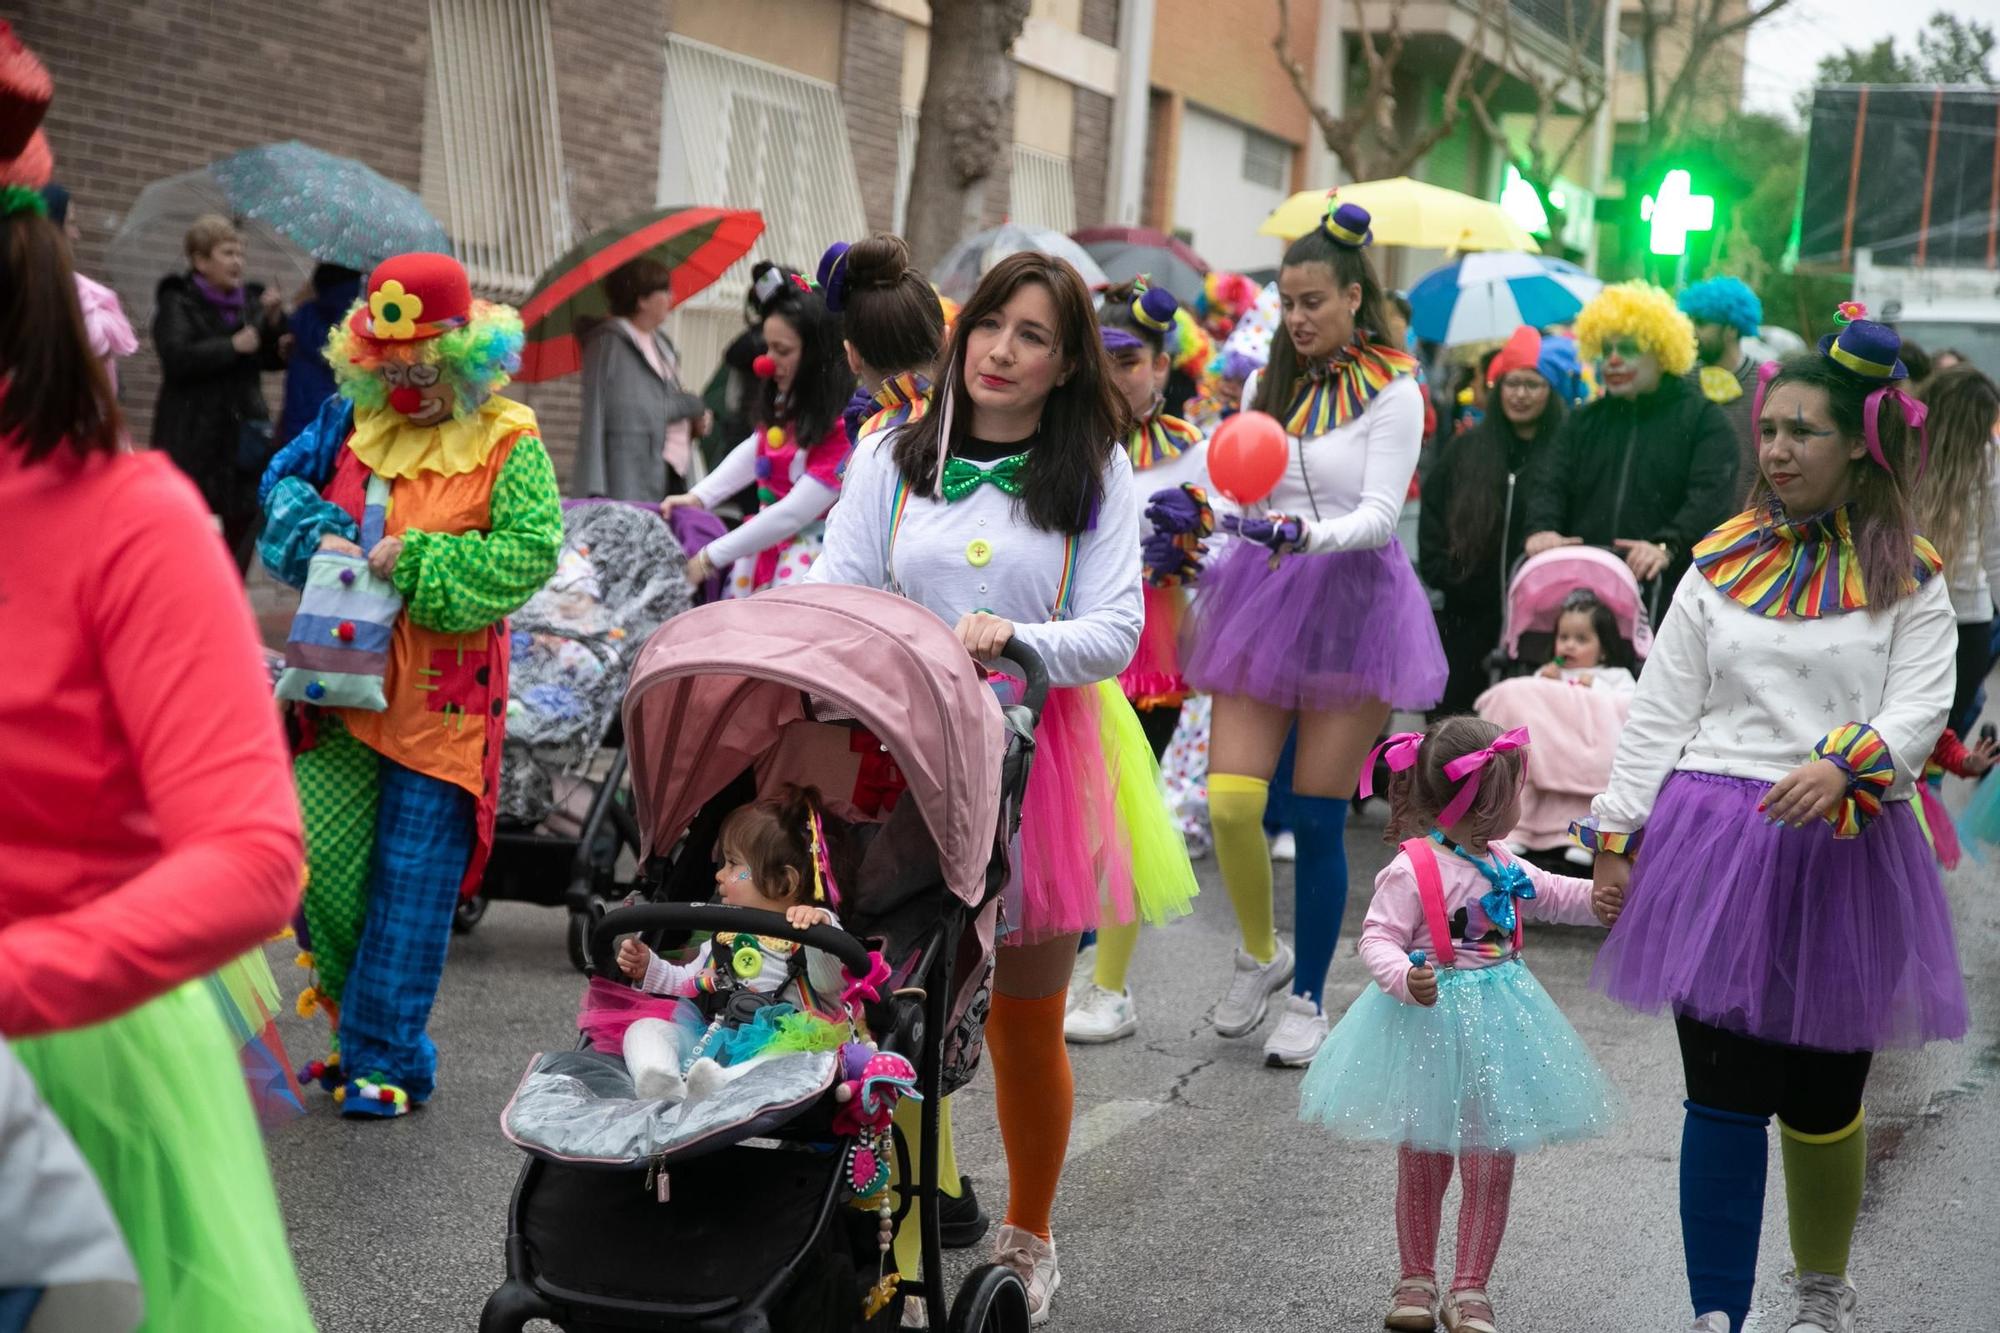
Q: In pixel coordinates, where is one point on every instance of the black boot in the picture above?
(961, 1221)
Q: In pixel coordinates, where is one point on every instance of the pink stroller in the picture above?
(1575, 730)
(624, 1216)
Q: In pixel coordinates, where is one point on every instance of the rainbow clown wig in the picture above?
(1727, 301)
(418, 310)
(1645, 312)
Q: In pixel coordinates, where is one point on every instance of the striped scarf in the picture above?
(1158, 438)
(1807, 568)
(1339, 389)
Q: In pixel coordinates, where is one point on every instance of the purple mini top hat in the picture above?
(832, 276)
(1864, 348)
(1154, 307)
(1346, 224)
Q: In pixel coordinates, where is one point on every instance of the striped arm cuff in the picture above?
(1864, 756)
(1585, 834)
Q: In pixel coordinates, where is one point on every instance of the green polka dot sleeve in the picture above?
(460, 583)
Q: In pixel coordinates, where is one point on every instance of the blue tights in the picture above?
(1319, 887)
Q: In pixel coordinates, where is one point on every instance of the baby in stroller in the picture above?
(759, 995)
(1576, 631)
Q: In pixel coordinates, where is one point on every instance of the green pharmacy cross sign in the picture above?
(1675, 212)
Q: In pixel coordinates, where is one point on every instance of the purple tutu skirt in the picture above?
(1786, 935)
(1318, 632)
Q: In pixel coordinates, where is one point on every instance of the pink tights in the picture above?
(1488, 1184)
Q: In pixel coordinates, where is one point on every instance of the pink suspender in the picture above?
(1430, 887)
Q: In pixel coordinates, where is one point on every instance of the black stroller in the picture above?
(562, 822)
(735, 1214)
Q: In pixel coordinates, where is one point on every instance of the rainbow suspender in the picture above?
(899, 504)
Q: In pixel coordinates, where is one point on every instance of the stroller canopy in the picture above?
(716, 687)
(1535, 597)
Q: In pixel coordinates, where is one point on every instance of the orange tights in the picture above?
(1033, 1095)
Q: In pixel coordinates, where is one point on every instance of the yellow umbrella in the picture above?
(1409, 212)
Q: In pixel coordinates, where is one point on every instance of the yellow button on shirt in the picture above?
(978, 552)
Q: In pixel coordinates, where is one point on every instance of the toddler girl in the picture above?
(1466, 1055)
(774, 857)
(1589, 649)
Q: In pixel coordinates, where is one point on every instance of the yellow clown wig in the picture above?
(477, 359)
(1645, 312)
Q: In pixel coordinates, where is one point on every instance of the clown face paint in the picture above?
(418, 392)
(1629, 370)
(1802, 453)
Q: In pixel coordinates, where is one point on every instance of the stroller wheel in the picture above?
(468, 914)
(993, 1300)
(580, 926)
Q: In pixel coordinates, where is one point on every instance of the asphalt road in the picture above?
(1194, 1200)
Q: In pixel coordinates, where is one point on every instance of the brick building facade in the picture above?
(147, 89)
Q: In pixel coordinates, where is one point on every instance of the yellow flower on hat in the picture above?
(394, 311)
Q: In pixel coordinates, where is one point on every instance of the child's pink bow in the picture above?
(1465, 771)
(1398, 752)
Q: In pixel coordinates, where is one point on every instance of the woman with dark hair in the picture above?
(1788, 908)
(637, 437)
(894, 327)
(795, 455)
(1009, 510)
(1312, 615)
(1472, 527)
(1957, 504)
(150, 836)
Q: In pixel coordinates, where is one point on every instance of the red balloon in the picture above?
(1247, 456)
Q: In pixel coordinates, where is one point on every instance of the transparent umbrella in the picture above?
(961, 269)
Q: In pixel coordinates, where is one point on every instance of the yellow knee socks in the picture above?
(1823, 1178)
(1236, 814)
(908, 1116)
(1115, 945)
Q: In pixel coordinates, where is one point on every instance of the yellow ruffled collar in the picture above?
(391, 447)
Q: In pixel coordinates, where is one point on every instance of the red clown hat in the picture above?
(413, 297)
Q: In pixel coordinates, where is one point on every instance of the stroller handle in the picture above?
(852, 953)
(1034, 675)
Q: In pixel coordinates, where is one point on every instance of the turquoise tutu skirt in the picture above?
(1493, 1065)
(1979, 822)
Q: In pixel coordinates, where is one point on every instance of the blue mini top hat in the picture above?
(1346, 224)
(1864, 348)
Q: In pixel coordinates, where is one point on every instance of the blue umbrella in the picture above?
(1485, 297)
(335, 209)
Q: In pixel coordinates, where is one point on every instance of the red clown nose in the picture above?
(763, 367)
(406, 400)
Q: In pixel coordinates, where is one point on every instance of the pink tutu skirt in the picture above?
(1071, 860)
(1153, 680)
(609, 1007)
(1318, 632)
(1790, 936)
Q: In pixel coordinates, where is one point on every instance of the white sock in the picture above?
(653, 1056)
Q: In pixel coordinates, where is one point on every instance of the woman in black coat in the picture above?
(1472, 526)
(216, 337)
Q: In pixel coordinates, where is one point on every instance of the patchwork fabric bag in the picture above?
(338, 649)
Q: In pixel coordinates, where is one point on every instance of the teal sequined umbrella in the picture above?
(296, 204)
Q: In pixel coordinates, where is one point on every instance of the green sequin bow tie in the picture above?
(962, 478)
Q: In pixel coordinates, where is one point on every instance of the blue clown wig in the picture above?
(1724, 301)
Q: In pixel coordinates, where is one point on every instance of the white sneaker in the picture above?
(1080, 973)
(1284, 847)
(1100, 1015)
(1576, 856)
(1242, 1008)
(1035, 1260)
(1826, 1304)
(1301, 1029)
(1713, 1322)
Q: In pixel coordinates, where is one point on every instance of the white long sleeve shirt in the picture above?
(1732, 692)
(1975, 573)
(1348, 485)
(979, 554)
(776, 522)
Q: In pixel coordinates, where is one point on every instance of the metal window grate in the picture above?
(740, 133)
(492, 164)
(1043, 193)
(1266, 161)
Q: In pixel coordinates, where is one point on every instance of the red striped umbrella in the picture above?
(695, 244)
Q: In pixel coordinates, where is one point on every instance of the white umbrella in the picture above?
(1484, 297)
(960, 270)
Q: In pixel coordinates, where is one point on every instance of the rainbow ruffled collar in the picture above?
(1803, 568)
(1158, 438)
(1339, 389)
(899, 400)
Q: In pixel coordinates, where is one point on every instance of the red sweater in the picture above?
(148, 827)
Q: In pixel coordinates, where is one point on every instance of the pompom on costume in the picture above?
(399, 802)
(1645, 312)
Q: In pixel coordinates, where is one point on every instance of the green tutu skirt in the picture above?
(155, 1100)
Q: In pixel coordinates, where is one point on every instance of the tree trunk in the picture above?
(965, 122)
